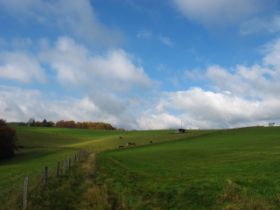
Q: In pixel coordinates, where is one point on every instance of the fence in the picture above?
(61, 169)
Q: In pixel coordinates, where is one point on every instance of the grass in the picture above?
(45, 146)
(77, 189)
(230, 169)
(42, 147)
(214, 169)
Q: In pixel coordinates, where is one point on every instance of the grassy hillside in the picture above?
(219, 169)
(46, 146)
(42, 147)
(233, 169)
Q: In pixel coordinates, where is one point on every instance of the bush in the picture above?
(7, 140)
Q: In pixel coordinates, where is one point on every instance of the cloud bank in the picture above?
(220, 11)
(117, 90)
(240, 96)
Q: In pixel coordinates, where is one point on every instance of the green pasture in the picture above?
(201, 169)
(227, 169)
(41, 147)
(45, 146)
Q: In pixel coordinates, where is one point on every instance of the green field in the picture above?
(42, 147)
(46, 146)
(229, 169)
(214, 169)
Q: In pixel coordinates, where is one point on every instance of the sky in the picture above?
(141, 64)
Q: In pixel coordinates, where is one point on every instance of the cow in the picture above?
(131, 144)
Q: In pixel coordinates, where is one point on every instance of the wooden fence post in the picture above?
(25, 193)
(45, 178)
(79, 155)
(65, 166)
(58, 169)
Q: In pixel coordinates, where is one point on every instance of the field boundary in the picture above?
(61, 168)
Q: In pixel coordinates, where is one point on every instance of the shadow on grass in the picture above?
(31, 154)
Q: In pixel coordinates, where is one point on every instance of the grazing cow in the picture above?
(181, 130)
(131, 144)
(121, 146)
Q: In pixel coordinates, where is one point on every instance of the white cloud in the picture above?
(261, 80)
(198, 108)
(21, 104)
(261, 25)
(76, 65)
(214, 108)
(220, 11)
(166, 41)
(76, 17)
(272, 57)
(112, 80)
(110, 84)
(158, 121)
(148, 35)
(255, 81)
(14, 104)
(144, 34)
(240, 96)
(21, 66)
(117, 66)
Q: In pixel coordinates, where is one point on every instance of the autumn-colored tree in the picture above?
(85, 125)
(66, 124)
(7, 140)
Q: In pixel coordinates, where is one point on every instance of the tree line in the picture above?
(85, 125)
(71, 124)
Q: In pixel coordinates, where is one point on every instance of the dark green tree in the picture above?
(7, 140)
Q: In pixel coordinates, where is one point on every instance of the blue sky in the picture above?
(141, 64)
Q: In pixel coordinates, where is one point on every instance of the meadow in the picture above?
(45, 146)
(201, 169)
(227, 169)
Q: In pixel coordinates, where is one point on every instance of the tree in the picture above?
(44, 123)
(7, 140)
(31, 121)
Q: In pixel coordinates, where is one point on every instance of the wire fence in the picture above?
(61, 168)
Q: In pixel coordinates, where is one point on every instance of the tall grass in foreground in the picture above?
(79, 189)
